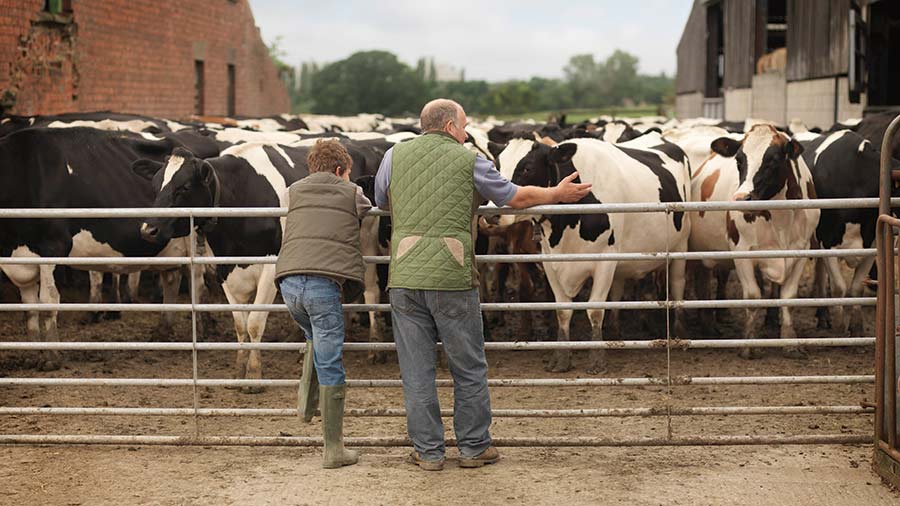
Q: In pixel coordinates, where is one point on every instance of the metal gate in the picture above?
(663, 345)
(887, 350)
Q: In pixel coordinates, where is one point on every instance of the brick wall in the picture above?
(770, 97)
(689, 105)
(738, 104)
(136, 57)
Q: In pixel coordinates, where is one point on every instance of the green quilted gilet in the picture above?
(432, 196)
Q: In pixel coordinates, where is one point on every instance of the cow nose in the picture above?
(149, 233)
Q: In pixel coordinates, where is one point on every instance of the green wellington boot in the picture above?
(333, 427)
(308, 399)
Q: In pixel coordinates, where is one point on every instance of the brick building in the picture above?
(167, 58)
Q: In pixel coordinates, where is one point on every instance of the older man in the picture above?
(433, 185)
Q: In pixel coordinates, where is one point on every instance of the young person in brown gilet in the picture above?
(319, 259)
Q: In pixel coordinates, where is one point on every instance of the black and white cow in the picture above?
(764, 165)
(619, 173)
(246, 175)
(844, 165)
(75, 168)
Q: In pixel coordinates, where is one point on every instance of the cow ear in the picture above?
(206, 172)
(495, 148)
(562, 153)
(793, 149)
(146, 168)
(725, 146)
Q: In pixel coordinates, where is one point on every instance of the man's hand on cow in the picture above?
(568, 191)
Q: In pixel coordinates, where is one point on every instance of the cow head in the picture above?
(183, 180)
(766, 161)
(529, 163)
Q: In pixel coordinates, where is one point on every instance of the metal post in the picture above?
(193, 240)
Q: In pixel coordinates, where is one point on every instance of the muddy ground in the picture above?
(160, 475)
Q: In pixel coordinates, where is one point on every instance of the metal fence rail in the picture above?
(500, 413)
(446, 383)
(654, 344)
(488, 306)
(669, 343)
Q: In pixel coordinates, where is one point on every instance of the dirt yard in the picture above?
(695, 475)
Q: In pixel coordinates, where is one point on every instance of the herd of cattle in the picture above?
(107, 160)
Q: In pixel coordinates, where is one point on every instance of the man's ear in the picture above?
(725, 146)
(146, 168)
(562, 153)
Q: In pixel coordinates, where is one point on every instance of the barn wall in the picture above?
(691, 52)
(135, 57)
(740, 43)
(817, 38)
(770, 97)
(689, 105)
(738, 104)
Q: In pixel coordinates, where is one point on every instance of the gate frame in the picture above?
(886, 454)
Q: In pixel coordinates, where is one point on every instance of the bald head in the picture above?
(445, 115)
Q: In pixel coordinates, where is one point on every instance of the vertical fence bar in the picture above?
(890, 346)
(192, 251)
(668, 335)
(880, 331)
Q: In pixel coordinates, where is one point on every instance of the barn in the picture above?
(166, 58)
(819, 61)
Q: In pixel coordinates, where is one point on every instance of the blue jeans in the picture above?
(315, 304)
(420, 318)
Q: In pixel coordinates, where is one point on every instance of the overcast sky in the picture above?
(493, 40)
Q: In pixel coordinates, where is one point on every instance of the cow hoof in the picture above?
(560, 363)
(112, 315)
(856, 329)
(48, 365)
(796, 353)
(164, 333)
(750, 353)
(596, 369)
(377, 357)
(252, 390)
(91, 318)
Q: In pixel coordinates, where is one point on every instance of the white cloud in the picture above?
(494, 40)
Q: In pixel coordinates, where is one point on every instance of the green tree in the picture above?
(368, 81)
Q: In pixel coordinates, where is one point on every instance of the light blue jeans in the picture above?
(315, 304)
(421, 318)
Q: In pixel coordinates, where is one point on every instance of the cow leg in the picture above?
(772, 312)
(240, 331)
(256, 324)
(525, 291)
(372, 295)
(171, 282)
(613, 323)
(702, 282)
(752, 320)
(823, 315)
(96, 297)
(603, 280)
(788, 291)
(30, 294)
(49, 295)
(134, 284)
(206, 323)
(117, 298)
(839, 290)
(856, 327)
(722, 276)
(676, 287)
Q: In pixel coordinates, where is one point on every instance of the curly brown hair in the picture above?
(328, 155)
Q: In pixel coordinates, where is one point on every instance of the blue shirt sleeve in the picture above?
(490, 184)
(383, 181)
